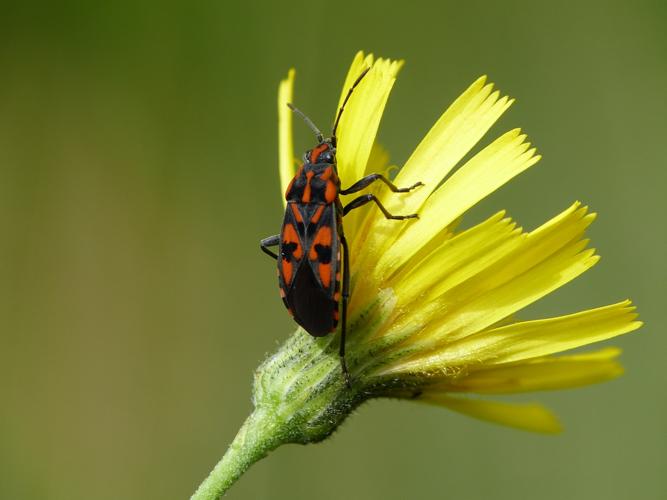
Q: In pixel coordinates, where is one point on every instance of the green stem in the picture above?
(299, 396)
(259, 435)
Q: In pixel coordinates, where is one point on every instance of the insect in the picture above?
(312, 239)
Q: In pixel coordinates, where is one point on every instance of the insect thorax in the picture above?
(314, 183)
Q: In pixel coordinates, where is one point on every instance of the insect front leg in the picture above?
(345, 297)
(370, 179)
(271, 241)
(363, 199)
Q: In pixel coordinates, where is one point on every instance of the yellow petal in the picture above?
(285, 142)
(530, 339)
(545, 259)
(461, 126)
(457, 259)
(499, 162)
(540, 374)
(455, 133)
(378, 161)
(361, 119)
(526, 416)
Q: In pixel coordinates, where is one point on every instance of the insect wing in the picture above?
(323, 245)
(310, 288)
(291, 249)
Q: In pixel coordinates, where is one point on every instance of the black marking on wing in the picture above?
(325, 252)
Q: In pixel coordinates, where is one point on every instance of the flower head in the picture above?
(432, 312)
(434, 308)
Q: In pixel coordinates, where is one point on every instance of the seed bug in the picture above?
(312, 239)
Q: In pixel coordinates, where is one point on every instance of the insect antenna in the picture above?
(309, 122)
(347, 98)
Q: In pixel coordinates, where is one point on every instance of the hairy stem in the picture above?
(300, 396)
(258, 436)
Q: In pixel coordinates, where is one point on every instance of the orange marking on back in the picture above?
(326, 174)
(317, 152)
(335, 316)
(318, 213)
(306, 192)
(286, 266)
(337, 296)
(325, 274)
(297, 213)
(331, 192)
(323, 238)
(291, 236)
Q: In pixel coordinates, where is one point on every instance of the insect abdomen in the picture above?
(311, 306)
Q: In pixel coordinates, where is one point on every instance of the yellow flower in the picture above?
(432, 312)
(433, 309)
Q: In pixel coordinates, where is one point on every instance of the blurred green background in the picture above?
(138, 170)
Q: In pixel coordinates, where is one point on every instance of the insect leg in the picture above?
(271, 241)
(365, 198)
(345, 296)
(369, 179)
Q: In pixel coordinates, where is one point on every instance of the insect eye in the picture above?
(326, 157)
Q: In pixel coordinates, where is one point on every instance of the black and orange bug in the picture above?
(312, 237)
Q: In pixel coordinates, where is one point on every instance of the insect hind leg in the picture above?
(345, 297)
(369, 179)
